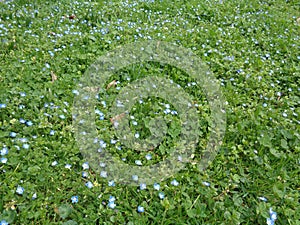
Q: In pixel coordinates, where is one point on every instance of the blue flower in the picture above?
(89, 184)
(263, 199)
(135, 177)
(34, 196)
(4, 151)
(68, 166)
(161, 195)
(273, 217)
(52, 132)
(174, 182)
(103, 174)
(29, 123)
(20, 190)
(111, 183)
(3, 160)
(25, 146)
(140, 209)
(112, 141)
(156, 186)
(84, 174)
(22, 120)
(102, 144)
(2, 106)
(112, 205)
(112, 198)
(74, 199)
(13, 134)
(138, 162)
(143, 186)
(148, 156)
(75, 92)
(206, 183)
(85, 166)
(3, 222)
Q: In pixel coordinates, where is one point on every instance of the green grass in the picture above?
(252, 48)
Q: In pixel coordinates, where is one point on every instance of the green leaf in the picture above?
(70, 222)
(191, 213)
(9, 216)
(284, 144)
(275, 152)
(64, 211)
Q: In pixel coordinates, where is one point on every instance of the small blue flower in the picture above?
(52, 132)
(2, 106)
(20, 190)
(84, 174)
(273, 217)
(140, 209)
(22, 94)
(34, 196)
(112, 205)
(103, 174)
(174, 182)
(75, 92)
(89, 184)
(111, 183)
(74, 199)
(4, 151)
(112, 141)
(143, 186)
(262, 199)
(23, 140)
(156, 186)
(270, 222)
(112, 198)
(135, 177)
(68, 166)
(148, 156)
(138, 162)
(102, 144)
(29, 123)
(22, 120)
(25, 146)
(12, 134)
(167, 111)
(161, 195)
(3, 222)
(85, 166)
(3, 160)
(206, 183)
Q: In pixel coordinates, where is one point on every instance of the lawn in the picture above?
(53, 172)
